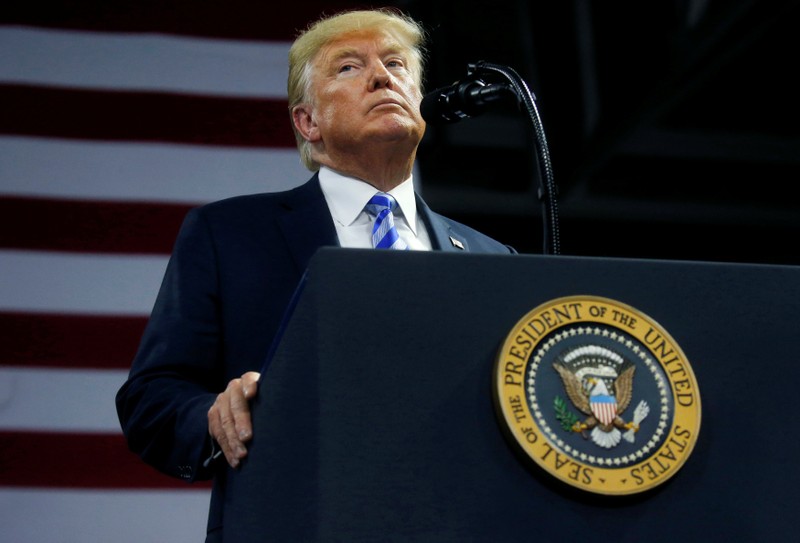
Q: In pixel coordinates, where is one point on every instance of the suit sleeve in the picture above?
(178, 370)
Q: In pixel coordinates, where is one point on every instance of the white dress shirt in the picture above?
(346, 198)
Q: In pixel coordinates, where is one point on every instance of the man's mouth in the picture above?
(387, 102)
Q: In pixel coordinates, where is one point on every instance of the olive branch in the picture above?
(563, 414)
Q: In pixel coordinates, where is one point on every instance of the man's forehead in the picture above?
(354, 42)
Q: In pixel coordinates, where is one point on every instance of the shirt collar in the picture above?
(347, 196)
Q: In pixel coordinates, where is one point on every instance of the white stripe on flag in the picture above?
(56, 400)
(143, 62)
(122, 517)
(142, 172)
(76, 283)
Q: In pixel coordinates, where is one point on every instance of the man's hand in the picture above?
(229, 418)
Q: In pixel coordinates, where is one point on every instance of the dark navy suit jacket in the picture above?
(234, 268)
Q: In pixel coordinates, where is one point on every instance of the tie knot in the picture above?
(384, 233)
(380, 202)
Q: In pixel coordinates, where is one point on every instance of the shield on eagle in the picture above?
(602, 404)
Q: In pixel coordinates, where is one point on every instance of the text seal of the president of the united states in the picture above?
(598, 395)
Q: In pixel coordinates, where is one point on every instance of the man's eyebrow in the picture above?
(395, 49)
(343, 52)
(346, 51)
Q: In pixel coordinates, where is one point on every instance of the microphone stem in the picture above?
(547, 187)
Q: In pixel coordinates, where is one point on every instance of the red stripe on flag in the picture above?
(69, 341)
(144, 116)
(238, 19)
(83, 226)
(54, 460)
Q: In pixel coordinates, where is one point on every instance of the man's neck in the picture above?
(382, 171)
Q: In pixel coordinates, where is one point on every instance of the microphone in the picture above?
(461, 100)
(469, 97)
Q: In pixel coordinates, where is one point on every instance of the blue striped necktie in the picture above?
(384, 233)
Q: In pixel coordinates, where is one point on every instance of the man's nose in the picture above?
(380, 77)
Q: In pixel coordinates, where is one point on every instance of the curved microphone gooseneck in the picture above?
(470, 97)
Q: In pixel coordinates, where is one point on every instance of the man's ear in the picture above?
(303, 118)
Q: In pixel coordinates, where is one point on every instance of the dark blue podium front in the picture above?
(375, 418)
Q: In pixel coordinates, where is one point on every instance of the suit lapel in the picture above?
(306, 222)
(443, 238)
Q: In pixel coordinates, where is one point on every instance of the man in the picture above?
(354, 94)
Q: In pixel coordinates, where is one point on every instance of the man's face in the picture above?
(363, 92)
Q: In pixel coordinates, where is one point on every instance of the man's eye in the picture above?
(346, 68)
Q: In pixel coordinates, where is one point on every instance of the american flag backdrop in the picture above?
(116, 118)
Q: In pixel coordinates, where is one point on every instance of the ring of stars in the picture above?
(649, 363)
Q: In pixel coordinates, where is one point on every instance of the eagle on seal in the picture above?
(603, 407)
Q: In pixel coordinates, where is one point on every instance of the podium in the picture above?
(375, 419)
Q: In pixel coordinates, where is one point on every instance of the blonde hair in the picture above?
(322, 32)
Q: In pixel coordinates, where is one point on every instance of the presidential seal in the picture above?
(598, 395)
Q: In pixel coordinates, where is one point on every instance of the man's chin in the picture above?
(398, 128)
